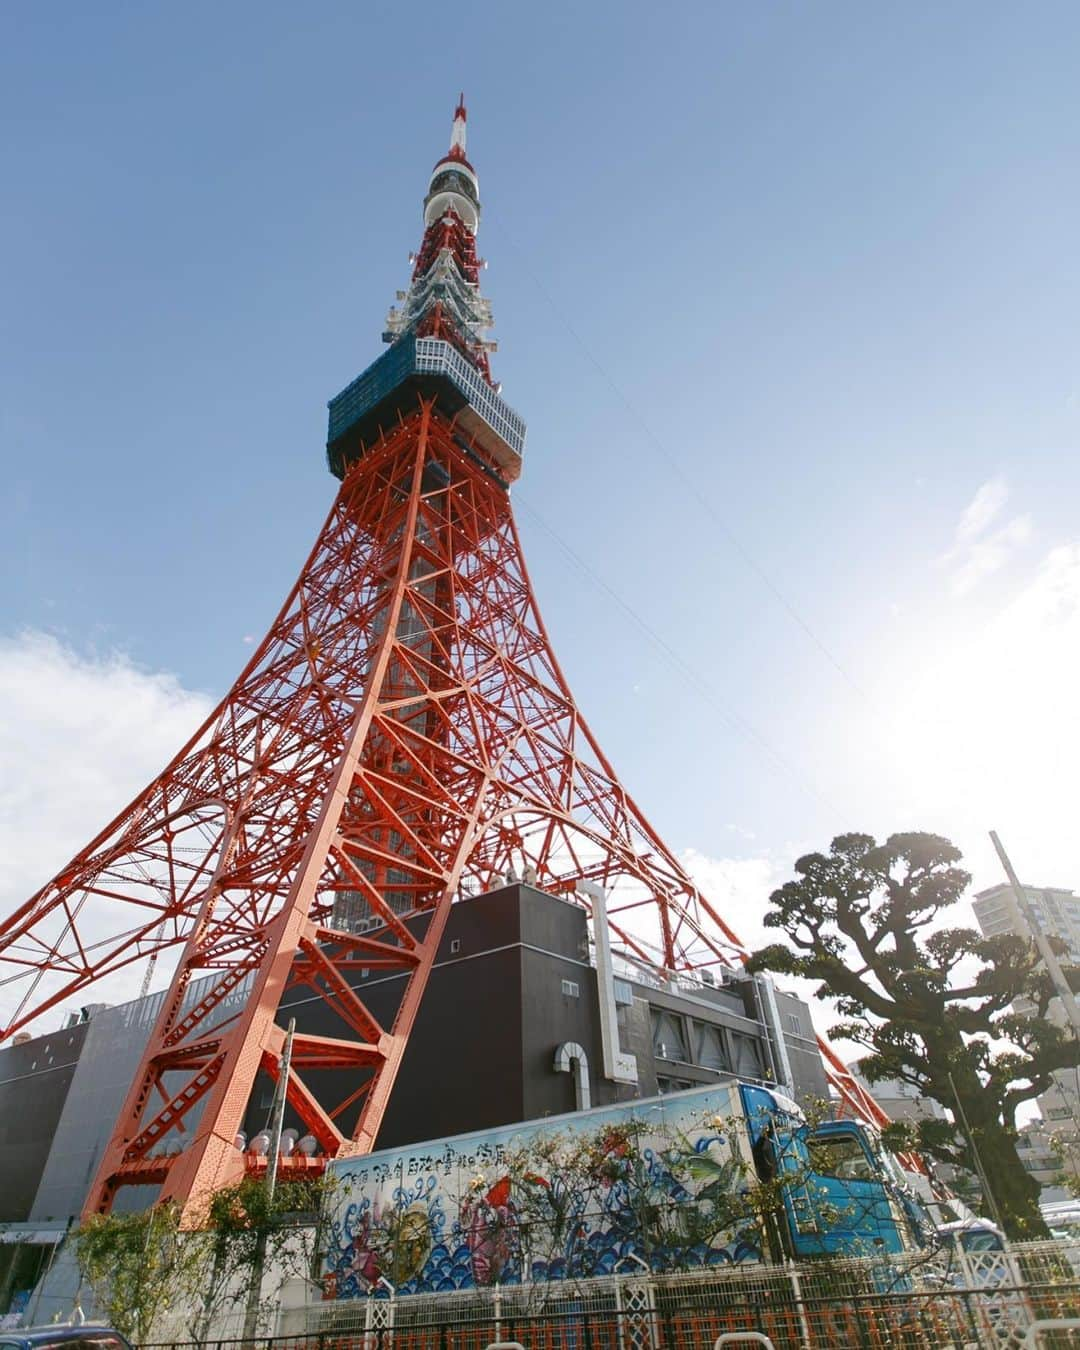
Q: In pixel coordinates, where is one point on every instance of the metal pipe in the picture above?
(618, 1067)
(774, 1032)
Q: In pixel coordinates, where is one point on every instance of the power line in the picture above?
(691, 676)
(693, 488)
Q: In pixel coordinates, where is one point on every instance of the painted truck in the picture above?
(664, 1182)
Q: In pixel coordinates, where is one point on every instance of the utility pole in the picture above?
(277, 1114)
(277, 1118)
(1053, 965)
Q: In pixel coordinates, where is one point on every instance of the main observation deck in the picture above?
(389, 387)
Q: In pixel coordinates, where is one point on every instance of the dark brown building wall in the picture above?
(34, 1082)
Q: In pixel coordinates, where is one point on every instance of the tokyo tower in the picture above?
(402, 735)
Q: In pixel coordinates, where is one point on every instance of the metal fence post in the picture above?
(800, 1306)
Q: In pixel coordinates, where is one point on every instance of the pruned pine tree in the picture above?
(936, 1006)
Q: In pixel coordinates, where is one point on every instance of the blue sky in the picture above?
(787, 294)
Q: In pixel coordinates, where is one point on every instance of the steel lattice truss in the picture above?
(402, 734)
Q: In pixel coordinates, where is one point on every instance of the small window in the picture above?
(364, 972)
(794, 1024)
(669, 1041)
(839, 1156)
(570, 989)
(455, 945)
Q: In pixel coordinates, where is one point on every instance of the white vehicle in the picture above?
(973, 1234)
(1063, 1218)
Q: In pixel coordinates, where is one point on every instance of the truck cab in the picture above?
(840, 1199)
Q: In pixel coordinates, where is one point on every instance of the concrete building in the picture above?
(1057, 911)
(515, 994)
(900, 1100)
(1038, 1153)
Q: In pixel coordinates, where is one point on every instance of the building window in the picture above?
(669, 1037)
(455, 946)
(711, 1051)
(570, 989)
(794, 1024)
(745, 1056)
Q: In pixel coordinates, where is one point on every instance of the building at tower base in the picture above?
(515, 984)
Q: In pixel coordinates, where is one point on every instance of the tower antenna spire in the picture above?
(444, 298)
(457, 135)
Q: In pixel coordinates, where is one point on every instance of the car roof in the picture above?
(61, 1332)
(975, 1225)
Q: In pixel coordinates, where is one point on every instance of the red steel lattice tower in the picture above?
(402, 735)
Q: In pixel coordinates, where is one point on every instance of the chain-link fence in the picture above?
(955, 1299)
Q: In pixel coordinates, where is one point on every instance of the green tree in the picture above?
(146, 1272)
(932, 1004)
(141, 1267)
(246, 1233)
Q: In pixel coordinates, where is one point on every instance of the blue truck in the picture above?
(665, 1182)
(844, 1197)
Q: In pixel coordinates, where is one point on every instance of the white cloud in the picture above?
(985, 732)
(989, 555)
(740, 830)
(80, 736)
(978, 551)
(982, 510)
(738, 889)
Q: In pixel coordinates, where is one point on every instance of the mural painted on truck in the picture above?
(567, 1197)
